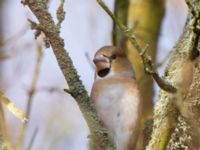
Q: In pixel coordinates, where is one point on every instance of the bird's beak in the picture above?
(100, 58)
(101, 62)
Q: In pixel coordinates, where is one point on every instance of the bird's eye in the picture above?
(114, 56)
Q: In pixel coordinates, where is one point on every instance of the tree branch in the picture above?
(148, 65)
(31, 94)
(99, 135)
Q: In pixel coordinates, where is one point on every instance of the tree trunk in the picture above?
(176, 116)
(121, 12)
(145, 17)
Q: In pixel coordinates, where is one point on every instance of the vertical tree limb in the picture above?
(171, 129)
(145, 18)
(99, 135)
(121, 12)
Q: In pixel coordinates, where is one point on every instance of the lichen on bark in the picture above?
(172, 116)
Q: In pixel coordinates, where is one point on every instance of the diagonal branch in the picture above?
(99, 135)
(148, 65)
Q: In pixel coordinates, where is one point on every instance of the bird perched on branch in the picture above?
(115, 96)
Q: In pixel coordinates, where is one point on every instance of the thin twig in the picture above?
(32, 139)
(69, 92)
(60, 14)
(16, 36)
(12, 108)
(49, 89)
(4, 128)
(148, 65)
(34, 80)
(31, 94)
(89, 61)
(4, 57)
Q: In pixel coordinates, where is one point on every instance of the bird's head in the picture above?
(110, 58)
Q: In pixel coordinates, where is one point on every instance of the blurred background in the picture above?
(54, 114)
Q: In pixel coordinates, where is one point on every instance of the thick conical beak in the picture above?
(100, 58)
(101, 62)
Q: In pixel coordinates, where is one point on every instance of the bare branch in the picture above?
(32, 139)
(4, 57)
(3, 126)
(31, 94)
(69, 92)
(16, 36)
(34, 80)
(99, 135)
(89, 61)
(12, 108)
(60, 14)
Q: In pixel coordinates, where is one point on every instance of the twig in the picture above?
(31, 93)
(34, 80)
(3, 127)
(69, 92)
(15, 37)
(4, 57)
(32, 139)
(99, 135)
(49, 89)
(60, 14)
(12, 108)
(148, 65)
(89, 60)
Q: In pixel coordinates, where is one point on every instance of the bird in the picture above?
(116, 98)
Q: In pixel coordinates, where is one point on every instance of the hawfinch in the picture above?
(115, 97)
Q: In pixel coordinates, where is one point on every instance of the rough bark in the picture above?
(176, 116)
(99, 137)
(145, 17)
